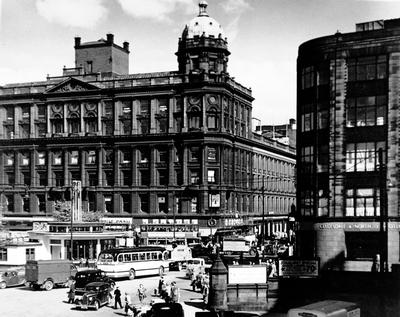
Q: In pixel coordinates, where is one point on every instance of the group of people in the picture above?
(200, 280)
(130, 309)
(168, 291)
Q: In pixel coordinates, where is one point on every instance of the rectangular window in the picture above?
(212, 154)
(41, 158)
(162, 156)
(362, 202)
(307, 118)
(92, 179)
(126, 156)
(194, 154)
(57, 158)
(307, 77)
(211, 176)
(91, 157)
(144, 106)
(162, 177)
(25, 159)
(144, 178)
(194, 177)
(163, 106)
(42, 179)
(126, 108)
(144, 203)
(108, 157)
(9, 158)
(59, 179)
(74, 158)
(30, 254)
(363, 157)
(42, 111)
(367, 68)
(109, 178)
(144, 126)
(127, 178)
(9, 113)
(126, 203)
(162, 204)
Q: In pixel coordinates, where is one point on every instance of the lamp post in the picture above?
(263, 213)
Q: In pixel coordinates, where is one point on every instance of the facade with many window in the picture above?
(146, 147)
(347, 142)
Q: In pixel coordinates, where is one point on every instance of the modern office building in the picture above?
(148, 148)
(348, 101)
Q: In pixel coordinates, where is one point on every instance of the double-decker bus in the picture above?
(166, 235)
(132, 262)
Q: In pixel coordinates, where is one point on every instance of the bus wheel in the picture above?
(132, 274)
(161, 271)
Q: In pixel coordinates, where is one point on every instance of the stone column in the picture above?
(217, 298)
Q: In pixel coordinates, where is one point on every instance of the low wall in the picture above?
(250, 297)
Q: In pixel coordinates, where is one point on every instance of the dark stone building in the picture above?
(146, 147)
(348, 112)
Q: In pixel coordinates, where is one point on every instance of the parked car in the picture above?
(11, 278)
(176, 265)
(82, 278)
(96, 295)
(166, 310)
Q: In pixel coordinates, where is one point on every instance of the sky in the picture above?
(37, 37)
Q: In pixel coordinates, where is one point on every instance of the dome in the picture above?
(203, 24)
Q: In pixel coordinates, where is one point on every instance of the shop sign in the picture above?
(40, 226)
(245, 274)
(306, 268)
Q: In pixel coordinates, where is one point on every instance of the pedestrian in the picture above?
(257, 257)
(174, 293)
(71, 293)
(167, 292)
(117, 298)
(87, 262)
(160, 286)
(141, 293)
(128, 304)
(206, 290)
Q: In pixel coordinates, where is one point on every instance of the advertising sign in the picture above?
(306, 268)
(215, 200)
(247, 274)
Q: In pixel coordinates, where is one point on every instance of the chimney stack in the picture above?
(126, 46)
(77, 41)
(110, 38)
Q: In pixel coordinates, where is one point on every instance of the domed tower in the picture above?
(202, 49)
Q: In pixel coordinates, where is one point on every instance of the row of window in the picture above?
(359, 69)
(359, 202)
(29, 254)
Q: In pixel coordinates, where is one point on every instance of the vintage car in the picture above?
(196, 265)
(166, 310)
(82, 278)
(11, 278)
(96, 294)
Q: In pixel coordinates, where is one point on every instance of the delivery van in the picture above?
(327, 308)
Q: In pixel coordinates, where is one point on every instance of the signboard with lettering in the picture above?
(309, 268)
(40, 226)
(247, 274)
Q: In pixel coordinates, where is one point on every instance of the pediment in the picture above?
(71, 85)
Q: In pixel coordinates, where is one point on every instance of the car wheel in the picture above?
(3, 285)
(161, 271)
(132, 274)
(96, 305)
(48, 285)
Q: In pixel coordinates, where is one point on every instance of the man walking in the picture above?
(117, 298)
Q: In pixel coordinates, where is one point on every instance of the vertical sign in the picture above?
(76, 201)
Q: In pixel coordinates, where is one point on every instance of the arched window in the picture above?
(74, 123)
(90, 123)
(194, 116)
(212, 119)
(57, 124)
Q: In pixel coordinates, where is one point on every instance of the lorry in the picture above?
(46, 274)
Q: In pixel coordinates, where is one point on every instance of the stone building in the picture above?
(146, 147)
(348, 103)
